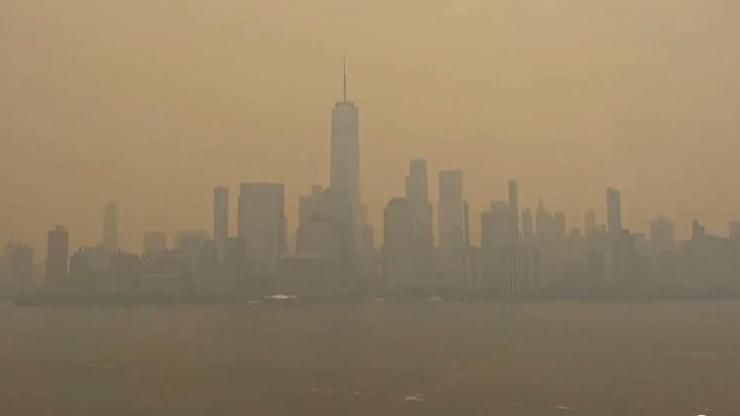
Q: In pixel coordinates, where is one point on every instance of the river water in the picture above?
(375, 358)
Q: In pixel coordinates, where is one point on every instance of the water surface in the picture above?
(378, 358)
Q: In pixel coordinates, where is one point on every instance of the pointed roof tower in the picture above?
(344, 89)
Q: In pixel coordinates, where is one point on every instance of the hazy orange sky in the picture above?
(151, 103)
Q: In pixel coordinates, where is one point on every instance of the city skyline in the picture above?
(543, 114)
(344, 171)
(229, 208)
(335, 251)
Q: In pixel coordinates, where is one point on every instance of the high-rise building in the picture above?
(399, 263)
(497, 228)
(544, 224)
(698, 231)
(502, 221)
(662, 234)
(589, 223)
(416, 182)
(514, 207)
(110, 229)
(367, 265)
(261, 223)
(19, 258)
(499, 249)
(309, 205)
(57, 257)
(345, 155)
(220, 222)
(453, 248)
(82, 273)
(613, 213)
(325, 232)
(558, 226)
(192, 245)
(417, 198)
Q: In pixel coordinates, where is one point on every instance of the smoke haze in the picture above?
(152, 103)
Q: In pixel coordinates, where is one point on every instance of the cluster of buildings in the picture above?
(522, 252)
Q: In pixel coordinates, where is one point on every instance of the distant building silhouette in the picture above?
(544, 227)
(57, 257)
(501, 228)
(220, 222)
(399, 261)
(589, 223)
(417, 198)
(165, 272)
(309, 205)
(82, 273)
(345, 156)
(453, 232)
(527, 226)
(19, 263)
(707, 263)
(548, 247)
(559, 226)
(499, 250)
(514, 208)
(327, 232)
(262, 226)
(191, 244)
(110, 229)
(613, 213)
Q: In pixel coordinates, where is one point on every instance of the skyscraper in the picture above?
(326, 230)
(453, 237)
(499, 249)
(192, 245)
(589, 222)
(19, 259)
(262, 225)
(110, 229)
(514, 208)
(399, 263)
(544, 224)
(503, 224)
(308, 205)
(220, 221)
(417, 198)
(613, 212)
(57, 257)
(416, 182)
(345, 154)
(558, 226)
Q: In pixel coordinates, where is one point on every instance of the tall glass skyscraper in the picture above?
(345, 154)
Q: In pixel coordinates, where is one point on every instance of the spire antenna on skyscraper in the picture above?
(345, 79)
